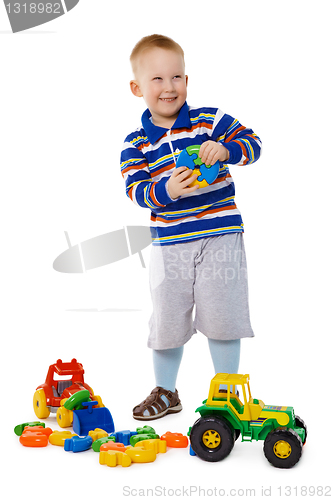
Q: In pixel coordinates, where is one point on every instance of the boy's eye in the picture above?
(177, 76)
(157, 78)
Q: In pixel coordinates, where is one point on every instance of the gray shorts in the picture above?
(206, 276)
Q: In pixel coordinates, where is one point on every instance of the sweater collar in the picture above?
(154, 133)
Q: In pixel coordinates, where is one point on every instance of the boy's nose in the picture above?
(169, 86)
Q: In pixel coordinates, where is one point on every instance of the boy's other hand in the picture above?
(211, 152)
(179, 181)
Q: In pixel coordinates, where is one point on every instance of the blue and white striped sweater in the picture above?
(149, 157)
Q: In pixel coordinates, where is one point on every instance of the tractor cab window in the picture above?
(237, 390)
(237, 398)
(61, 382)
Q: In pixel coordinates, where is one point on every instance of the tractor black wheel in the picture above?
(283, 448)
(212, 438)
(300, 423)
(237, 434)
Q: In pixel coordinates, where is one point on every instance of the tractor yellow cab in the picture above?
(238, 390)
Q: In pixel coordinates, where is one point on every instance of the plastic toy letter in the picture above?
(25, 14)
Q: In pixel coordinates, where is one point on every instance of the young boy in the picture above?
(198, 255)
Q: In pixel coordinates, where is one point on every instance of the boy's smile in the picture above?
(161, 81)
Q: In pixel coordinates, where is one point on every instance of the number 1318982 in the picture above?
(34, 8)
(305, 491)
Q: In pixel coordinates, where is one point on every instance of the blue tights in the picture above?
(225, 355)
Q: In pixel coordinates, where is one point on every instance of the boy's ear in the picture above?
(135, 88)
(186, 80)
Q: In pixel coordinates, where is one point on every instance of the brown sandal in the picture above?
(155, 402)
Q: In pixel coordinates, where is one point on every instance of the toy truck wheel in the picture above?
(283, 448)
(39, 402)
(64, 417)
(212, 439)
(300, 423)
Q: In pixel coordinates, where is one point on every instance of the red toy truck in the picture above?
(48, 396)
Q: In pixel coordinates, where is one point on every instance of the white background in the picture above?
(65, 110)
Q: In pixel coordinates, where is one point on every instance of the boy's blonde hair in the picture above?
(150, 42)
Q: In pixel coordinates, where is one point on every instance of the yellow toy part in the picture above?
(249, 410)
(229, 380)
(57, 438)
(97, 398)
(282, 449)
(112, 458)
(255, 408)
(99, 401)
(281, 418)
(64, 417)
(39, 402)
(145, 451)
(141, 455)
(158, 445)
(202, 183)
(97, 434)
(211, 438)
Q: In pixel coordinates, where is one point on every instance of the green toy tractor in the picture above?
(225, 417)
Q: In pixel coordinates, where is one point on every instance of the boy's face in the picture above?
(161, 81)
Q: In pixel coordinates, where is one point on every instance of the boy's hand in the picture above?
(178, 183)
(211, 151)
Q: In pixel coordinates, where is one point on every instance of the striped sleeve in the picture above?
(243, 144)
(140, 187)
